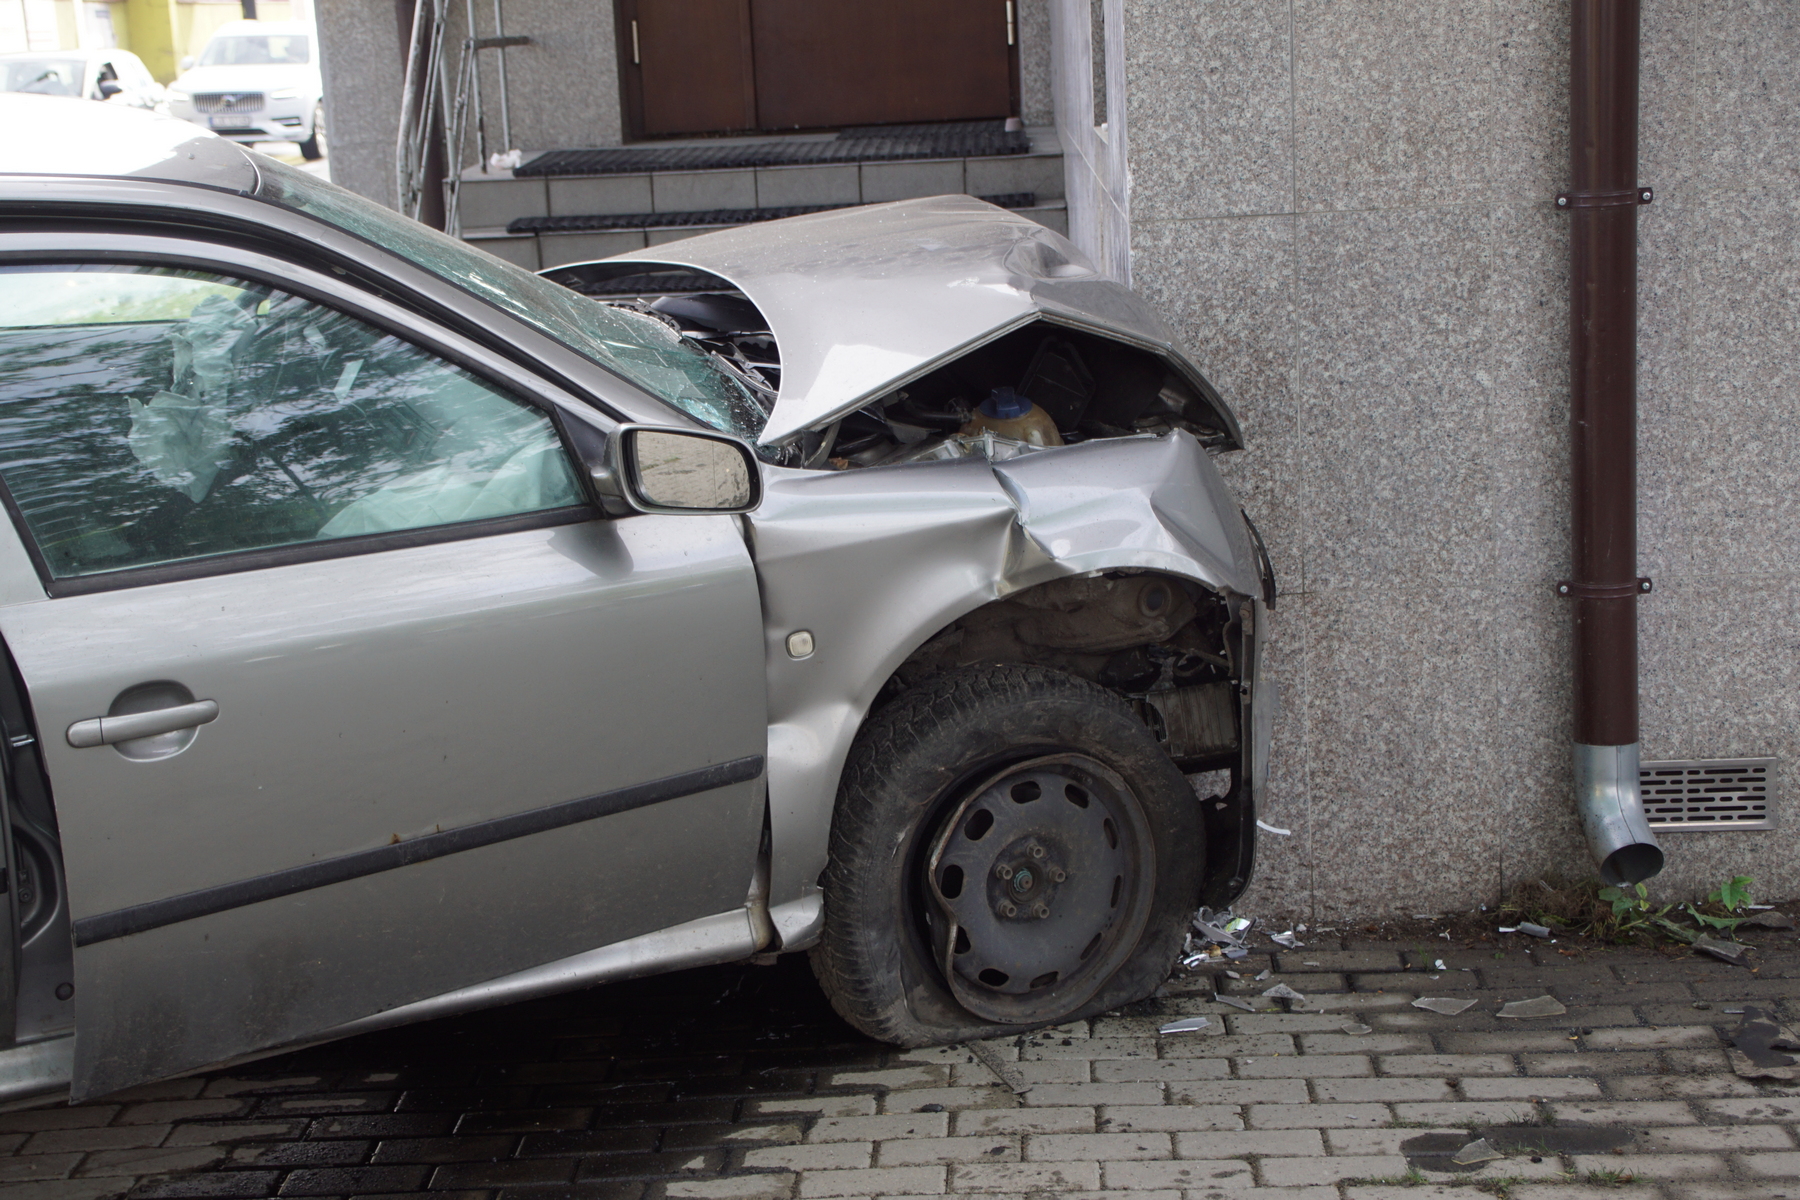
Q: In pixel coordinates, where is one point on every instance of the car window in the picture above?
(43, 76)
(640, 348)
(152, 415)
(257, 49)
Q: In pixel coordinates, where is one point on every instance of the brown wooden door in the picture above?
(720, 66)
(686, 66)
(845, 62)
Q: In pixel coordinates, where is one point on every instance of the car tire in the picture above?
(950, 795)
(313, 148)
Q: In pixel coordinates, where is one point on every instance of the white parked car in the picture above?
(256, 81)
(116, 76)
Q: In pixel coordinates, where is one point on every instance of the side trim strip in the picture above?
(139, 918)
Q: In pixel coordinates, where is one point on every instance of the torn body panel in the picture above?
(972, 531)
(864, 301)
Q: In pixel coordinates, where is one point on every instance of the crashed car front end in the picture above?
(903, 536)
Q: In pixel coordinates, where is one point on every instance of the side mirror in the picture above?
(686, 471)
(650, 469)
(187, 62)
(110, 88)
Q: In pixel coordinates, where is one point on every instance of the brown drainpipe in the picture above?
(1602, 208)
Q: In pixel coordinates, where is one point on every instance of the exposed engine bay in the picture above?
(1039, 385)
(1164, 643)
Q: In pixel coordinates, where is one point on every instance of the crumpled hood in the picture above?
(862, 300)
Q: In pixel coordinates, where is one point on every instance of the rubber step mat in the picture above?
(894, 143)
(716, 216)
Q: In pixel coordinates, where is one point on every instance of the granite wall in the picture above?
(362, 51)
(1346, 208)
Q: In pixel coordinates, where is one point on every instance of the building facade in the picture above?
(1346, 207)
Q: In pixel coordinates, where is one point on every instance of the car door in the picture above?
(346, 695)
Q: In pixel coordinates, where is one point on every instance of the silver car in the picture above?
(392, 632)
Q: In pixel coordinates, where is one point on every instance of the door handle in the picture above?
(104, 731)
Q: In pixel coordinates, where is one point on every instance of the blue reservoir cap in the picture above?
(1005, 403)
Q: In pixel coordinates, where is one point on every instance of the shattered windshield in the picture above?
(640, 348)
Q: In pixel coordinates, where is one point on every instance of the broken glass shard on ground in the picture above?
(1286, 939)
(1221, 929)
(1356, 1030)
(1476, 1153)
(1186, 1025)
(1234, 1002)
(1282, 991)
(1539, 1006)
(1443, 1004)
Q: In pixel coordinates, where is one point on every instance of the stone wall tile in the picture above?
(1392, 103)
(1391, 348)
(1210, 115)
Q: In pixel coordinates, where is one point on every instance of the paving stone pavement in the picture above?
(738, 1083)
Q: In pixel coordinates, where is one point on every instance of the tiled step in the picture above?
(711, 218)
(537, 250)
(491, 201)
(896, 143)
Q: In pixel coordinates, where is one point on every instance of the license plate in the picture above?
(224, 121)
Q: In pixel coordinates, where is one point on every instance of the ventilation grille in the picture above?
(1709, 793)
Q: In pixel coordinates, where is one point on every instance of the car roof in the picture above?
(63, 135)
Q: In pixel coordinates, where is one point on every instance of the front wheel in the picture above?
(313, 148)
(1011, 848)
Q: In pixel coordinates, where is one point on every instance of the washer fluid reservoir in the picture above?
(1008, 414)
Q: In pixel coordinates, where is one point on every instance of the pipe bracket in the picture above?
(1616, 198)
(1603, 591)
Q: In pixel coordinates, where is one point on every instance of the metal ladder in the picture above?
(431, 100)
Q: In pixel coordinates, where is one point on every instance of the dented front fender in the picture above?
(872, 563)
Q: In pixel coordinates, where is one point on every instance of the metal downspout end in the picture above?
(1612, 814)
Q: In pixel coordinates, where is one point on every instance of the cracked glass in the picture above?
(640, 348)
(152, 415)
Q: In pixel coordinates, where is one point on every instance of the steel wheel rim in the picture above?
(1041, 880)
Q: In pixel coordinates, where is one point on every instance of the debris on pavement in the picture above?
(1735, 953)
(1443, 1005)
(1526, 927)
(1476, 1153)
(1221, 936)
(1262, 975)
(1236, 1003)
(1757, 1044)
(1286, 939)
(1355, 1030)
(1538, 1006)
(1772, 920)
(1282, 991)
(1268, 828)
(1003, 1070)
(1186, 1025)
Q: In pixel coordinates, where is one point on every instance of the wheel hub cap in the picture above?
(1037, 876)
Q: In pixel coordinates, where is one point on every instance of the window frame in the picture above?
(340, 292)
